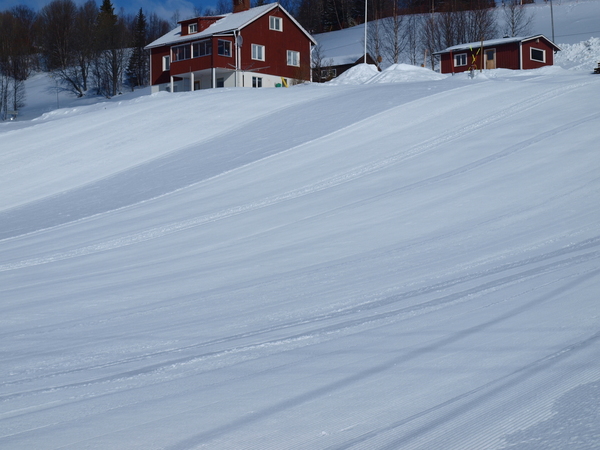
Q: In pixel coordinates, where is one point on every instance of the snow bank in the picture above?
(405, 73)
(508, 73)
(396, 73)
(356, 75)
(581, 56)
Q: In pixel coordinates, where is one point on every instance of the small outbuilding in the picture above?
(514, 53)
(338, 51)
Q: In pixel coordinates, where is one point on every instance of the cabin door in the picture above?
(490, 58)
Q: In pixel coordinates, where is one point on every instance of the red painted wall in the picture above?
(157, 76)
(202, 22)
(276, 43)
(539, 44)
(208, 61)
(447, 60)
(507, 57)
(446, 63)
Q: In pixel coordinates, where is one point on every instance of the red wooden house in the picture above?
(252, 47)
(508, 53)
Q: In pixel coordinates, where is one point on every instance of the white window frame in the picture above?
(293, 58)
(531, 49)
(258, 52)
(256, 82)
(226, 44)
(206, 45)
(166, 63)
(463, 60)
(185, 46)
(275, 23)
(192, 28)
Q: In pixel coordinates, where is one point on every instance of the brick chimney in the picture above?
(241, 5)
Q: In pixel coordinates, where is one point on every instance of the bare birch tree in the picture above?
(394, 34)
(517, 19)
(412, 27)
(17, 56)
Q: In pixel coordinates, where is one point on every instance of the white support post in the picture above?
(236, 41)
(365, 32)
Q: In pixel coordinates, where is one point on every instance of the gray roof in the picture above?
(342, 47)
(229, 23)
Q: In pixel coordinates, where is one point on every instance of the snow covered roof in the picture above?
(494, 42)
(229, 23)
(342, 46)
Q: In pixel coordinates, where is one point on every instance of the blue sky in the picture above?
(164, 8)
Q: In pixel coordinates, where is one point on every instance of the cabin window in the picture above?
(220, 82)
(538, 55)
(224, 48)
(182, 52)
(192, 28)
(166, 63)
(202, 48)
(293, 58)
(258, 52)
(460, 60)
(328, 73)
(275, 23)
(256, 82)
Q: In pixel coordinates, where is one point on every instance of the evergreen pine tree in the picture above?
(106, 24)
(137, 69)
(112, 41)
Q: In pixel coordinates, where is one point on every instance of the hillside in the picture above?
(576, 25)
(402, 261)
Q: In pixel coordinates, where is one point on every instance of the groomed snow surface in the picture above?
(409, 263)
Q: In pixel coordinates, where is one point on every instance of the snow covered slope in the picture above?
(400, 260)
(385, 265)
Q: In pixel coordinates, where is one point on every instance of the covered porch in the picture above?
(220, 77)
(205, 79)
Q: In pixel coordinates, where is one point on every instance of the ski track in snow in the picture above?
(338, 179)
(460, 409)
(183, 168)
(240, 387)
(18, 221)
(362, 311)
(474, 397)
(448, 411)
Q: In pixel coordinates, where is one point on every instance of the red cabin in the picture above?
(507, 53)
(252, 47)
